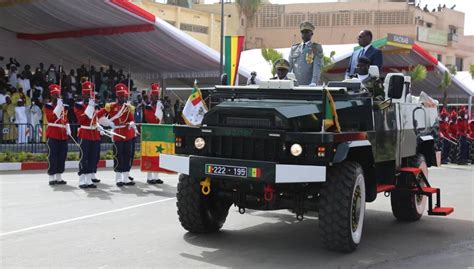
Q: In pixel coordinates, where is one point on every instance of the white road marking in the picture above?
(84, 217)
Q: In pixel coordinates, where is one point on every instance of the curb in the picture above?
(44, 165)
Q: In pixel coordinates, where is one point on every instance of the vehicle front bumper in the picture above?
(270, 172)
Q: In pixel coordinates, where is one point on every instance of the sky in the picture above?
(467, 6)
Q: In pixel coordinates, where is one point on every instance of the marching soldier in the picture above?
(89, 134)
(444, 134)
(462, 128)
(306, 57)
(57, 133)
(154, 115)
(453, 132)
(121, 114)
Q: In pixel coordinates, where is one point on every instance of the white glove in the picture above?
(91, 102)
(159, 111)
(68, 129)
(312, 85)
(100, 129)
(58, 109)
(132, 125)
(90, 111)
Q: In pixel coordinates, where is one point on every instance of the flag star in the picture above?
(159, 149)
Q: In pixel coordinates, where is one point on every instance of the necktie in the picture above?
(361, 54)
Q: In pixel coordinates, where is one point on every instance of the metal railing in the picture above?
(24, 137)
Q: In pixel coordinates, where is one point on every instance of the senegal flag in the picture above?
(195, 108)
(233, 48)
(331, 121)
(156, 139)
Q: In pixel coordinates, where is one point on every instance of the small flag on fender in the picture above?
(195, 108)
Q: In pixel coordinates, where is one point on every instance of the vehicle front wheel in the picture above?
(342, 207)
(199, 213)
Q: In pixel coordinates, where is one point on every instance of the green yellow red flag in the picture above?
(233, 48)
(331, 120)
(156, 139)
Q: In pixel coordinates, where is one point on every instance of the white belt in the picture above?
(88, 127)
(120, 126)
(57, 125)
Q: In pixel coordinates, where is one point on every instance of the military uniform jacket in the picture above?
(121, 115)
(87, 129)
(150, 114)
(462, 127)
(306, 63)
(453, 129)
(56, 127)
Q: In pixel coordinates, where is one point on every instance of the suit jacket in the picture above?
(375, 56)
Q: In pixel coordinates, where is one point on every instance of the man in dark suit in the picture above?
(375, 55)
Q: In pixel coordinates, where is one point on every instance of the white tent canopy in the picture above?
(102, 32)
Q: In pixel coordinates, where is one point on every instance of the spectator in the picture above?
(9, 129)
(139, 106)
(27, 72)
(111, 73)
(13, 76)
(38, 78)
(13, 63)
(2, 101)
(99, 78)
(24, 83)
(51, 75)
(36, 117)
(21, 121)
(19, 94)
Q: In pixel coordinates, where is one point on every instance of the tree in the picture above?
(248, 8)
(471, 70)
(327, 62)
(443, 86)
(418, 73)
(271, 55)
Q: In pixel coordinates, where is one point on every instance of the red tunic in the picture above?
(87, 130)
(444, 129)
(471, 129)
(150, 114)
(56, 128)
(462, 127)
(453, 130)
(121, 122)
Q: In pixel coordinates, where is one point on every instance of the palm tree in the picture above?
(418, 73)
(471, 70)
(271, 55)
(249, 8)
(443, 86)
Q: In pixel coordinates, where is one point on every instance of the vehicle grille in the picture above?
(248, 122)
(261, 149)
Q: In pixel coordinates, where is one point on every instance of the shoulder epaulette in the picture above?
(78, 105)
(48, 106)
(108, 107)
(132, 108)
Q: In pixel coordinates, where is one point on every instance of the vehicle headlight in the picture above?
(199, 143)
(296, 150)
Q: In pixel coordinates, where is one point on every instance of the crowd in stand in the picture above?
(24, 91)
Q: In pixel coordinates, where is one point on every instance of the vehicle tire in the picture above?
(342, 207)
(199, 213)
(407, 206)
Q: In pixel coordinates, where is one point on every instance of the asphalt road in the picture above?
(138, 226)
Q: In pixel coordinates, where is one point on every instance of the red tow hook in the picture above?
(268, 193)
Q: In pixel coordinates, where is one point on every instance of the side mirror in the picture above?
(395, 87)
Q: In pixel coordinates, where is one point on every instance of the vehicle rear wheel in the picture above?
(407, 206)
(342, 207)
(199, 213)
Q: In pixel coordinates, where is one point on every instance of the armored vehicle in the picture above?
(265, 147)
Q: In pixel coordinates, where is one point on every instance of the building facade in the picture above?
(202, 25)
(276, 26)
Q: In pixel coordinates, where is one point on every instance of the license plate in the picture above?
(233, 171)
(226, 170)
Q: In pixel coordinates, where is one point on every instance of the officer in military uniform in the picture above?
(87, 115)
(154, 115)
(121, 114)
(306, 58)
(373, 84)
(57, 133)
(281, 66)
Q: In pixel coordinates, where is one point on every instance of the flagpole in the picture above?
(222, 40)
(323, 114)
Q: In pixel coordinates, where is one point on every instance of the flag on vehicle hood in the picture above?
(233, 48)
(195, 108)
(156, 139)
(331, 121)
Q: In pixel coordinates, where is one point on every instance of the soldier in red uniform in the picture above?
(470, 136)
(89, 134)
(121, 114)
(462, 128)
(453, 132)
(444, 134)
(57, 132)
(154, 115)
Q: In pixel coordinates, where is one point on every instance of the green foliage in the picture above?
(108, 155)
(471, 70)
(73, 156)
(271, 55)
(443, 86)
(418, 73)
(327, 62)
(9, 156)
